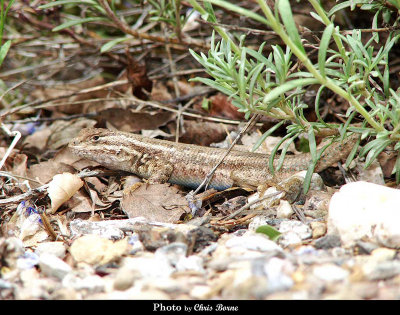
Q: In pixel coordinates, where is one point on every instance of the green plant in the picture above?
(167, 12)
(351, 68)
(3, 16)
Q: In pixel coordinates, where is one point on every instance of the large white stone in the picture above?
(362, 210)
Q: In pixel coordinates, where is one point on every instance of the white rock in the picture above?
(91, 283)
(252, 242)
(293, 232)
(278, 273)
(193, 262)
(149, 267)
(364, 210)
(53, 266)
(284, 210)
(55, 248)
(330, 273)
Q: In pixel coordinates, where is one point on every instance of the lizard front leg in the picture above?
(154, 169)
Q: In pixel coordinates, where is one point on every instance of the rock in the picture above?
(328, 241)
(284, 210)
(172, 252)
(193, 263)
(125, 278)
(330, 273)
(317, 204)
(258, 221)
(11, 249)
(6, 285)
(148, 266)
(53, 266)
(91, 283)
(293, 232)
(278, 273)
(27, 261)
(256, 242)
(65, 294)
(383, 254)
(96, 250)
(365, 247)
(365, 211)
(200, 292)
(381, 270)
(54, 248)
(318, 229)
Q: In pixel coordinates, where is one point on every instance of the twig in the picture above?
(211, 174)
(193, 204)
(248, 205)
(127, 30)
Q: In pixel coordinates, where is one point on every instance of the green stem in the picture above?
(321, 12)
(278, 28)
(219, 29)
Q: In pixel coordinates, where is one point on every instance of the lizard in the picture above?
(161, 161)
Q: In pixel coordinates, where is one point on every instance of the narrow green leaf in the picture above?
(323, 47)
(4, 50)
(108, 46)
(287, 18)
(254, 77)
(213, 84)
(272, 233)
(287, 86)
(284, 150)
(376, 150)
(267, 134)
(307, 179)
(397, 169)
(61, 2)
(241, 75)
(352, 154)
(239, 10)
(313, 144)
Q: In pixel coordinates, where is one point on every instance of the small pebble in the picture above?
(54, 248)
(328, 241)
(257, 242)
(330, 273)
(318, 229)
(53, 266)
(284, 210)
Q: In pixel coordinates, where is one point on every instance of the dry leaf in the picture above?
(38, 139)
(64, 131)
(160, 92)
(158, 202)
(62, 188)
(130, 121)
(45, 171)
(201, 132)
(221, 106)
(15, 162)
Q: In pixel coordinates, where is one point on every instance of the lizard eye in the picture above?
(95, 138)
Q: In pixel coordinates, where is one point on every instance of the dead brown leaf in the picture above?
(78, 108)
(44, 171)
(130, 121)
(158, 202)
(64, 131)
(221, 106)
(387, 160)
(137, 76)
(202, 133)
(38, 139)
(160, 92)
